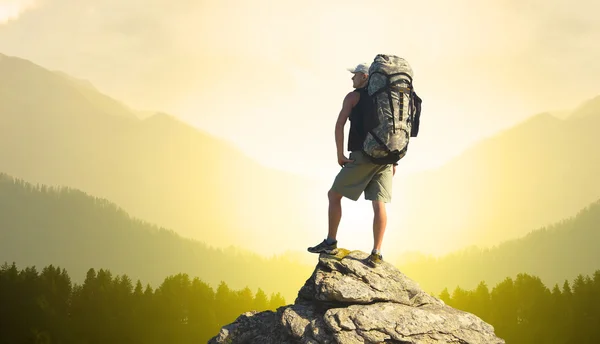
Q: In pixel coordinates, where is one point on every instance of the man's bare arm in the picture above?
(350, 101)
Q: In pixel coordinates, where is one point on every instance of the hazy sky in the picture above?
(271, 75)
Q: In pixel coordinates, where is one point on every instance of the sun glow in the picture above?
(12, 9)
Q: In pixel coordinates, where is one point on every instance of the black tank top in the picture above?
(357, 133)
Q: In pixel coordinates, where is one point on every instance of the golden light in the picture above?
(12, 9)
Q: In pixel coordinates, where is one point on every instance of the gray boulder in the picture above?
(347, 301)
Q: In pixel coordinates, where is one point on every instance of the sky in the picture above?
(270, 76)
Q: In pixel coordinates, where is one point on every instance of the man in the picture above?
(358, 173)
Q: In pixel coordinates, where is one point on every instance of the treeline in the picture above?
(46, 307)
(36, 220)
(554, 253)
(525, 311)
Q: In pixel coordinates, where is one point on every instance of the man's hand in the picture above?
(394, 170)
(342, 160)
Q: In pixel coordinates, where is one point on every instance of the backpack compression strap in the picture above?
(388, 88)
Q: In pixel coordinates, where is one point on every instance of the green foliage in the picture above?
(67, 227)
(47, 308)
(525, 311)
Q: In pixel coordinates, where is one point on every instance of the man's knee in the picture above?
(334, 196)
(378, 206)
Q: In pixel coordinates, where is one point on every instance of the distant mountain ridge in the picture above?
(42, 225)
(555, 253)
(588, 109)
(531, 175)
(108, 105)
(58, 130)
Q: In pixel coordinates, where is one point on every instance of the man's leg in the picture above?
(350, 182)
(379, 224)
(329, 245)
(335, 213)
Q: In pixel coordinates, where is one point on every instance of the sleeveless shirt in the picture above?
(357, 133)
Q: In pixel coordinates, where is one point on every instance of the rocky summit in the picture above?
(347, 301)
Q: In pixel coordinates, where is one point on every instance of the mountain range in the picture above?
(555, 253)
(58, 130)
(43, 225)
(534, 174)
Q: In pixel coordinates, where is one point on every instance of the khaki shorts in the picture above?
(363, 175)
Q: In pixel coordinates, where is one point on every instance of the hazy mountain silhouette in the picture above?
(58, 130)
(100, 101)
(41, 225)
(554, 253)
(591, 108)
(531, 175)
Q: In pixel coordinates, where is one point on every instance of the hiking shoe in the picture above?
(324, 247)
(374, 259)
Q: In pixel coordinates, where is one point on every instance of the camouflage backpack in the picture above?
(395, 114)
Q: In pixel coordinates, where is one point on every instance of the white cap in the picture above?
(360, 68)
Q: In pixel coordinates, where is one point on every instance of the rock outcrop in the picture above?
(347, 301)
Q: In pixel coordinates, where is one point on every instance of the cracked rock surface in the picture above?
(347, 301)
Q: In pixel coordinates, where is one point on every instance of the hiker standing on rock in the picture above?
(358, 174)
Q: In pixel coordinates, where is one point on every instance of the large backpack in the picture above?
(395, 112)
